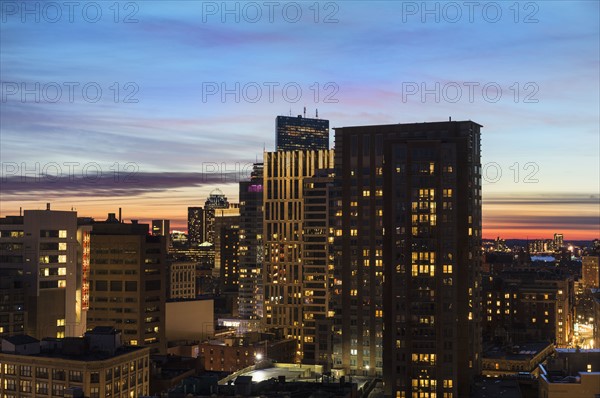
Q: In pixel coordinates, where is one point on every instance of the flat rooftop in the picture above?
(297, 374)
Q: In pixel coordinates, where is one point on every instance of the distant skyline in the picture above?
(369, 63)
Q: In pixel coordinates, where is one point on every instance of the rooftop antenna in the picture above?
(304, 111)
(317, 114)
(290, 111)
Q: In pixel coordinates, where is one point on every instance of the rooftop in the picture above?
(21, 339)
(517, 352)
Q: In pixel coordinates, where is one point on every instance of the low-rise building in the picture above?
(234, 353)
(584, 385)
(96, 365)
(571, 373)
(498, 362)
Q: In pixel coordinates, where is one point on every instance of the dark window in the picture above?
(131, 286)
(101, 286)
(116, 286)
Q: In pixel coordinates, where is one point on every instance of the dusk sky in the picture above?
(527, 71)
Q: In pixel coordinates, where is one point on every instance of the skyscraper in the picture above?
(283, 270)
(251, 249)
(301, 133)
(216, 200)
(195, 226)
(407, 246)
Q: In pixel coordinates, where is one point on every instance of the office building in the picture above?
(94, 366)
(128, 282)
(195, 226)
(301, 133)
(250, 296)
(283, 270)
(41, 245)
(426, 196)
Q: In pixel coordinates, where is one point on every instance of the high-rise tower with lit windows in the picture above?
(407, 256)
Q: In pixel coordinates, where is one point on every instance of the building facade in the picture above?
(590, 272)
(55, 366)
(229, 256)
(283, 271)
(182, 280)
(250, 298)
(317, 258)
(162, 228)
(195, 226)
(12, 302)
(419, 325)
(216, 200)
(42, 246)
(128, 282)
(528, 304)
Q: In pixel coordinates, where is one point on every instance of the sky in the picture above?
(151, 105)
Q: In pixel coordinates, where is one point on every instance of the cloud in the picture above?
(128, 183)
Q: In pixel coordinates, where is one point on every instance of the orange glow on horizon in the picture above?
(506, 220)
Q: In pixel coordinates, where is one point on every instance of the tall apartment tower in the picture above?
(283, 270)
(229, 255)
(128, 282)
(408, 239)
(301, 133)
(41, 246)
(317, 260)
(250, 299)
(195, 226)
